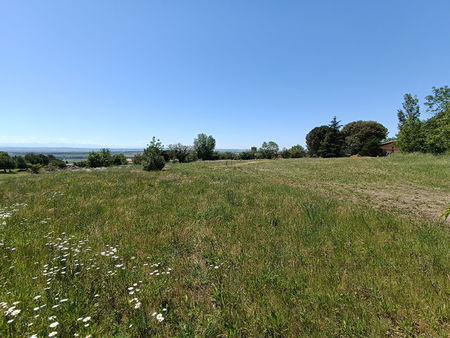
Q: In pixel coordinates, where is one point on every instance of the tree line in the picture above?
(30, 161)
(155, 156)
(332, 140)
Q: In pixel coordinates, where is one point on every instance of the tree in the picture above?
(179, 152)
(439, 101)
(20, 162)
(269, 150)
(106, 157)
(361, 136)
(95, 159)
(437, 128)
(285, 153)
(137, 159)
(119, 159)
(333, 142)
(204, 146)
(411, 136)
(314, 139)
(33, 158)
(152, 157)
(297, 151)
(6, 162)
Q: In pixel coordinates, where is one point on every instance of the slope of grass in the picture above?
(221, 248)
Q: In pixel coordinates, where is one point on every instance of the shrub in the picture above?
(119, 159)
(81, 164)
(35, 168)
(247, 155)
(227, 155)
(152, 157)
(137, 159)
(58, 163)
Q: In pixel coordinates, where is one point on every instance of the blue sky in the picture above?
(115, 73)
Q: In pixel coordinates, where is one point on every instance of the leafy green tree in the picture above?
(411, 135)
(58, 163)
(94, 159)
(20, 162)
(285, 153)
(439, 101)
(204, 146)
(33, 158)
(119, 159)
(179, 152)
(137, 159)
(6, 162)
(269, 150)
(437, 128)
(314, 139)
(152, 157)
(360, 137)
(106, 157)
(297, 151)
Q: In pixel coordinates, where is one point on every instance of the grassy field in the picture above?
(301, 247)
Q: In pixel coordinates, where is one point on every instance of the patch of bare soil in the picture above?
(411, 199)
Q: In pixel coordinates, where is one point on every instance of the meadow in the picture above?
(297, 247)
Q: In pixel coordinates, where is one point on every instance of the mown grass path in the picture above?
(307, 247)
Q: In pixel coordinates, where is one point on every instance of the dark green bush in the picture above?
(152, 158)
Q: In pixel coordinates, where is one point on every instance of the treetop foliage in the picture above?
(204, 146)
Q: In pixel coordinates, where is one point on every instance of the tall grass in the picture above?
(256, 249)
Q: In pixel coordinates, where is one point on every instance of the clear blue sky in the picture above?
(116, 73)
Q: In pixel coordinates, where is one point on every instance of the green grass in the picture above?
(285, 247)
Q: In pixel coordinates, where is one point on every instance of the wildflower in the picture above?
(52, 334)
(10, 321)
(37, 297)
(86, 319)
(54, 324)
(137, 305)
(160, 317)
(153, 314)
(15, 312)
(33, 336)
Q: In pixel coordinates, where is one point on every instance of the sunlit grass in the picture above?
(267, 248)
